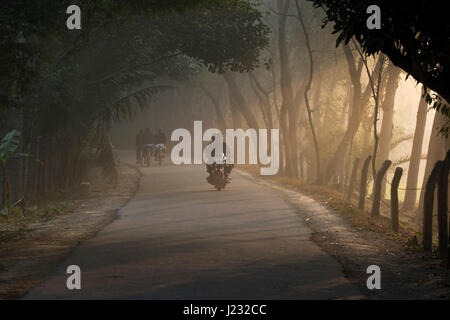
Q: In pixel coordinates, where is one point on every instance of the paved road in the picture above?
(178, 238)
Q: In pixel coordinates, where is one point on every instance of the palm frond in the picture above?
(127, 107)
(9, 145)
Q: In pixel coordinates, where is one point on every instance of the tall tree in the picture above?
(289, 112)
(360, 99)
(387, 123)
(416, 153)
(436, 151)
(307, 104)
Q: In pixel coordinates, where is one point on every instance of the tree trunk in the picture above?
(394, 198)
(413, 171)
(301, 124)
(319, 177)
(358, 104)
(287, 104)
(317, 112)
(436, 151)
(387, 124)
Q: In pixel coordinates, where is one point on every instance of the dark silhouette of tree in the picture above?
(75, 84)
(414, 35)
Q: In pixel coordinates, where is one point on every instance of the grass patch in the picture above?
(16, 224)
(33, 214)
(12, 235)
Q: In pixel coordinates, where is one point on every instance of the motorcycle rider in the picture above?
(148, 136)
(160, 137)
(210, 167)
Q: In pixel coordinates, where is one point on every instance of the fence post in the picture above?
(377, 188)
(352, 180)
(363, 185)
(443, 207)
(394, 198)
(428, 203)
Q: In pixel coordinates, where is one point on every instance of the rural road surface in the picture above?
(178, 238)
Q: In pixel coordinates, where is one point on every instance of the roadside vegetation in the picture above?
(363, 114)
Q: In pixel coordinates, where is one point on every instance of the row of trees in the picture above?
(332, 104)
(235, 63)
(63, 89)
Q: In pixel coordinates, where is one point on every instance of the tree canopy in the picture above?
(70, 85)
(414, 34)
(176, 27)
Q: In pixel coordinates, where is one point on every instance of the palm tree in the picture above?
(8, 148)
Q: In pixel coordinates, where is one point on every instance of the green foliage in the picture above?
(227, 35)
(12, 235)
(73, 85)
(218, 33)
(9, 145)
(23, 216)
(109, 72)
(18, 220)
(8, 148)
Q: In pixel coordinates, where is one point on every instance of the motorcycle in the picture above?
(219, 174)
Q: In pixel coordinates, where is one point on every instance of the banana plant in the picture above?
(8, 147)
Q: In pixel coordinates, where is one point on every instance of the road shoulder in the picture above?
(406, 273)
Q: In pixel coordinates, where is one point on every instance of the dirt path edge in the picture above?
(26, 262)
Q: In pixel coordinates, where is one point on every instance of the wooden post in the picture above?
(443, 207)
(394, 198)
(352, 180)
(376, 194)
(428, 203)
(363, 185)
